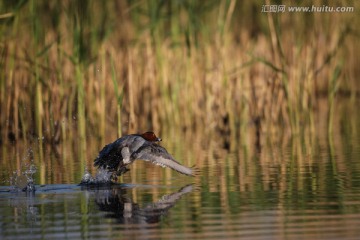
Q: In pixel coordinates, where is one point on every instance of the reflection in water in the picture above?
(119, 206)
(77, 211)
(24, 206)
(297, 187)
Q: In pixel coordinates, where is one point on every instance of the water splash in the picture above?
(102, 177)
(23, 180)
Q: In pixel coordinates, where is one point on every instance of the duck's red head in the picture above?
(150, 136)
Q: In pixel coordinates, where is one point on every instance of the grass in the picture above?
(83, 68)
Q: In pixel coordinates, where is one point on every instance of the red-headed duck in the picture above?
(116, 156)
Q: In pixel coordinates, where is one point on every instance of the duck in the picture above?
(118, 155)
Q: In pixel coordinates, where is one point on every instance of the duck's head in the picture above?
(150, 136)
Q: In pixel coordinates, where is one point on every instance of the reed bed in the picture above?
(78, 69)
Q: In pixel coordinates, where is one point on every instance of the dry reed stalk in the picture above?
(131, 89)
(101, 110)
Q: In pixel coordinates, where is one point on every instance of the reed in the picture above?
(119, 98)
(185, 64)
(333, 87)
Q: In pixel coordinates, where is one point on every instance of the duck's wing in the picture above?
(117, 155)
(110, 156)
(158, 155)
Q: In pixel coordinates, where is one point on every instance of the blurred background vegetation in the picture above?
(94, 68)
(75, 71)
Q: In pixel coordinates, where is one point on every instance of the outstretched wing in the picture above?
(109, 157)
(158, 155)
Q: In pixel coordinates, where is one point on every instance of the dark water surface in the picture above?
(300, 187)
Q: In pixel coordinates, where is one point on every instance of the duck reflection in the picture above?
(119, 206)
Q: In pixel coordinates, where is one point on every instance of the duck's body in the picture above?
(117, 155)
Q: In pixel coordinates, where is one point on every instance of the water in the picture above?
(23, 180)
(299, 187)
(68, 211)
(258, 197)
